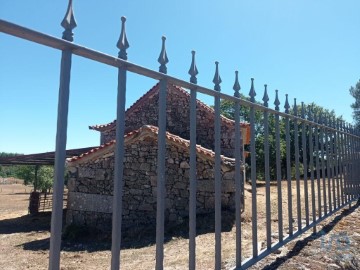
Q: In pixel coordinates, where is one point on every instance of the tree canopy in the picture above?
(355, 93)
(227, 109)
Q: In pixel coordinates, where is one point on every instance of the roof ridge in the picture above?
(152, 131)
(151, 92)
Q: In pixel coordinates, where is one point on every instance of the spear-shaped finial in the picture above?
(338, 125)
(163, 59)
(302, 110)
(193, 71)
(265, 97)
(277, 101)
(295, 108)
(68, 23)
(287, 105)
(237, 86)
(252, 92)
(123, 43)
(217, 79)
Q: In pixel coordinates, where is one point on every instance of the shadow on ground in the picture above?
(81, 239)
(27, 223)
(301, 244)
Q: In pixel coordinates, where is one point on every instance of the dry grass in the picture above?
(31, 247)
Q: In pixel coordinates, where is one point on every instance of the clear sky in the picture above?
(306, 48)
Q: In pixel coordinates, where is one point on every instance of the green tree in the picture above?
(45, 176)
(355, 93)
(227, 109)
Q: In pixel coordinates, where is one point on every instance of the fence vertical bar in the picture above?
(68, 24)
(297, 168)
(336, 161)
(311, 165)
(252, 95)
(161, 157)
(332, 162)
(278, 168)
(328, 154)
(305, 165)
(353, 168)
(267, 169)
(238, 176)
(193, 178)
(217, 81)
(346, 165)
(119, 152)
(288, 165)
(323, 170)
(317, 162)
(341, 159)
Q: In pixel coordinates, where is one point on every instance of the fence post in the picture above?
(278, 167)
(317, 162)
(267, 169)
(123, 45)
(252, 95)
(238, 175)
(311, 165)
(68, 24)
(193, 180)
(306, 193)
(217, 80)
(288, 165)
(297, 173)
(160, 210)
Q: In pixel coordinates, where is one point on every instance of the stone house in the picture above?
(91, 174)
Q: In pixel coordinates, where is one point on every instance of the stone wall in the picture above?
(178, 121)
(91, 187)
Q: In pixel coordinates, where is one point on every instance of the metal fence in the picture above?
(324, 151)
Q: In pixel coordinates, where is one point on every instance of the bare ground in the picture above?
(24, 240)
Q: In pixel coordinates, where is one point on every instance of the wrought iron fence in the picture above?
(325, 151)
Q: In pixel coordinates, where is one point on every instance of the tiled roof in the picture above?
(147, 131)
(152, 92)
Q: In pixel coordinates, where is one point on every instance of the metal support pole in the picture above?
(253, 173)
(297, 167)
(278, 170)
(238, 175)
(60, 156)
(267, 170)
(217, 81)
(193, 181)
(60, 152)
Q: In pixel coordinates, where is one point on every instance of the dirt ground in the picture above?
(24, 239)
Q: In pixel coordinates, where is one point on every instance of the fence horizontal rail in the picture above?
(60, 44)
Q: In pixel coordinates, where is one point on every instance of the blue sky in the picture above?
(308, 49)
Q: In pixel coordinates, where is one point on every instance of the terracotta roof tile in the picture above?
(148, 131)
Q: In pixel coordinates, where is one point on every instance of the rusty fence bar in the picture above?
(333, 144)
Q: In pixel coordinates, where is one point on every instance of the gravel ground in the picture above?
(335, 246)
